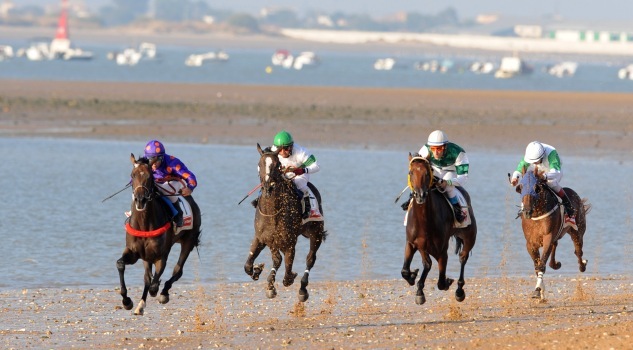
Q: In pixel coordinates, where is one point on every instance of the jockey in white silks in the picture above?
(302, 163)
(546, 158)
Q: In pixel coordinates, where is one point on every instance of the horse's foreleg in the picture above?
(155, 283)
(185, 249)
(406, 273)
(147, 278)
(289, 277)
(128, 258)
(577, 239)
(548, 245)
(315, 243)
(254, 271)
(427, 263)
(555, 265)
(460, 295)
(271, 291)
(443, 282)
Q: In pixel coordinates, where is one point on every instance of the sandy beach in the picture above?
(583, 311)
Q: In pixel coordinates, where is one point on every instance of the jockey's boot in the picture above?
(255, 202)
(306, 202)
(570, 214)
(459, 214)
(178, 217)
(405, 205)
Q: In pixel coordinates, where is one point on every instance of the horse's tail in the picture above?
(459, 243)
(586, 205)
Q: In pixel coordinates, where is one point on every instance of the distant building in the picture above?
(528, 31)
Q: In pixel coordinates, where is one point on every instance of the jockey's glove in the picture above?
(299, 171)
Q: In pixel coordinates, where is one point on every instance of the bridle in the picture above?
(147, 187)
(420, 194)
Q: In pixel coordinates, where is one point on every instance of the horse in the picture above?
(429, 226)
(542, 220)
(278, 224)
(150, 236)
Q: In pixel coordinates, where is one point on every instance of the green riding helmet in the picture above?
(283, 139)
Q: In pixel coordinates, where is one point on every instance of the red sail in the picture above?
(62, 25)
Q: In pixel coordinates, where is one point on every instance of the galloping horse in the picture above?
(430, 225)
(150, 236)
(278, 224)
(542, 219)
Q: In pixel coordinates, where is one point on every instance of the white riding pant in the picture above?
(171, 189)
(553, 181)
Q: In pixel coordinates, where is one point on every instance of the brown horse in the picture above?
(430, 225)
(542, 219)
(150, 236)
(278, 224)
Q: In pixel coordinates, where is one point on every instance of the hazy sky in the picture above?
(619, 10)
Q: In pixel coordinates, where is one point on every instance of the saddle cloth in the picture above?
(315, 214)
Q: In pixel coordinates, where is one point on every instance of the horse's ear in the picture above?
(410, 156)
(259, 149)
(132, 158)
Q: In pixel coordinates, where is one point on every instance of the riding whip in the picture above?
(123, 189)
(400, 195)
(249, 193)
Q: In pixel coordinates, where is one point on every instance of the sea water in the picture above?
(58, 232)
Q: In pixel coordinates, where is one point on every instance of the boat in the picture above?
(131, 56)
(197, 60)
(6, 52)
(511, 67)
(479, 67)
(282, 58)
(305, 59)
(384, 63)
(626, 72)
(563, 69)
(59, 48)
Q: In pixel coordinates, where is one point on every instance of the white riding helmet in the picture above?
(437, 138)
(534, 152)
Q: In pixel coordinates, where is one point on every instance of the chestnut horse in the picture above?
(278, 225)
(542, 219)
(150, 236)
(430, 225)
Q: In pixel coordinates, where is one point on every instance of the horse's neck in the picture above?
(154, 216)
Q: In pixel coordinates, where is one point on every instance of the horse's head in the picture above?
(269, 168)
(420, 177)
(142, 182)
(531, 188)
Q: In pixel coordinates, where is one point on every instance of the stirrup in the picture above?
(571, 221)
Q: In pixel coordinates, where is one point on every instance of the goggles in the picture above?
(155, 159)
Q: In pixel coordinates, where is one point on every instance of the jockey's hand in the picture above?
(442, 184)
(299, 171)
(186, 191)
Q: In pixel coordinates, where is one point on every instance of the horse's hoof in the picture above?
(139, 312)
(257, 270)
(556, 266)
(420, 299)
(289, 279)
(271, 293)
(536, 294)
(128, 304)
(447, 284)
(460, 295)
(303, 295)
(163, 299)
(583, 266)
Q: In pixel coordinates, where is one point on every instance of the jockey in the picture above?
(546, 158)
(302, 162)
(164, 167)
(450, 164)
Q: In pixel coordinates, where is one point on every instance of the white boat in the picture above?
(305, 59)
(283, 58)
(626, 72)
(563, 69)
(131, 56)
(479, 67)
(511, 67)
(384, 63)
(6, 52)
(198, 60)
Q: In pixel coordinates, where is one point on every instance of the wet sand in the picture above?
(579, 312)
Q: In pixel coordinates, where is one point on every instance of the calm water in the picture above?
(337, 69)
(57, 232)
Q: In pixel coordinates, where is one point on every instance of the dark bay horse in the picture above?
(150, 236)
(430, 225)
(542, 220)
(278, 225)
